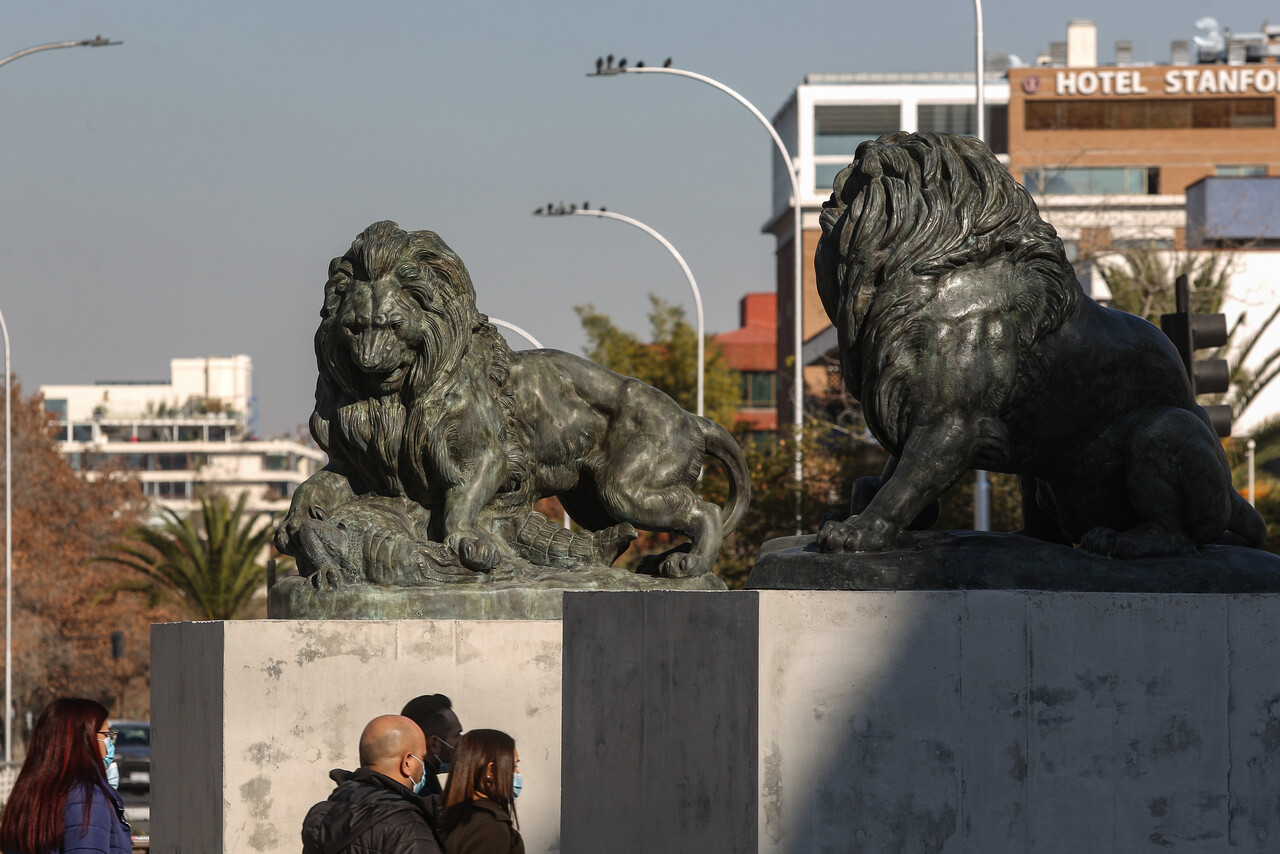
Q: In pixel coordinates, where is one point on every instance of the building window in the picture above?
(217, 434)
(758, 389)
(959, 118)
(839, 130)
(278, 490)
(82, 432)
(167, 489)
(1162, 114)
(190, 433)
(276, 462)
(171, 462)
(1096, 181)
(1240, 171)
(56, 407)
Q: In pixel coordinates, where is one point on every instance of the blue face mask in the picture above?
(111, 750)
(444, 766)
(418, 784)
(517, 783)
(113, 775)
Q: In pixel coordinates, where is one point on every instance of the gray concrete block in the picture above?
(250, 717)
(663, 716)
(964, 721)
(1253, 780)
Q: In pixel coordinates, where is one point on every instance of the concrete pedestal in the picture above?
(250, 716)
(966, 721)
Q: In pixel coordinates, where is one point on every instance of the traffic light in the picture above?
(1190, 332)
(117, 645)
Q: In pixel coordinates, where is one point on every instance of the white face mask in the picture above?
(418, 784)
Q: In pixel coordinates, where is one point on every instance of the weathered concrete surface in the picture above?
(250, 717)
(962, 721)
(970, 560)
(296, 598)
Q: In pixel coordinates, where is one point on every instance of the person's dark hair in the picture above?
(63, 754)
(427, 712)
(468, 778)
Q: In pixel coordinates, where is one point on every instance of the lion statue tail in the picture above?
(1245, 521)
(721, 445)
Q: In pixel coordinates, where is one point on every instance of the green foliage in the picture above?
(1141, 280)
(669, 361)
(213, 567)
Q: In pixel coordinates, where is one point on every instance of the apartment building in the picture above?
(184, 437)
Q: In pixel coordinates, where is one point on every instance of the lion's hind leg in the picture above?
(1179, 486)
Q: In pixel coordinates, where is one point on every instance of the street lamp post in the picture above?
(96, 41)
(797, 245)
(697, 295)
(981, 485)
(8, 547)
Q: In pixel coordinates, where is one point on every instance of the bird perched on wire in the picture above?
(667, 64)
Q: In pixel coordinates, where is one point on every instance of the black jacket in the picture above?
(369, 813)
(482, 827)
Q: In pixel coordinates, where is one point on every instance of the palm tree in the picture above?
(214, 567)
(1141, 280)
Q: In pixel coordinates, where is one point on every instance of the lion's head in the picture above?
(399, 318)
(910, 208)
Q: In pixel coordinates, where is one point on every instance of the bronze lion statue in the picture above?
(419, 398)
(970, 344)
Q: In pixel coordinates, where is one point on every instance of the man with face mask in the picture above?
(376, 809)
(433, 713)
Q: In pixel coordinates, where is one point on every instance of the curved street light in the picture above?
(96, 41)
(797, 243)
(517, 330)
(697, 295)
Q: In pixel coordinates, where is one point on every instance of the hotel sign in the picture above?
(1189, 80)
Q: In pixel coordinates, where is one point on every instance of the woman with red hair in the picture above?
(61, 802)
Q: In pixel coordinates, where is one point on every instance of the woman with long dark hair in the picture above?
(479, 799)
(61, 801)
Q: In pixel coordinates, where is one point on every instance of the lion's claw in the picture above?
(680, 565)
(478, 554)
(848, 536)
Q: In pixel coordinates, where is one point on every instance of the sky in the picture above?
(182, 194)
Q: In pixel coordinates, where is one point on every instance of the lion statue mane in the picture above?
(970, 344)
(420, 399)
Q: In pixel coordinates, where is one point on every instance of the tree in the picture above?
(213, 568)
(667, 362)
(61, 626)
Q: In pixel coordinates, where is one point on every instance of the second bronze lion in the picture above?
(970, 344)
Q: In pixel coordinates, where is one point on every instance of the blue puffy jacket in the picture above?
(107, 833)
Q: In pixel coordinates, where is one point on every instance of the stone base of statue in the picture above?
(251, 715)
(965, 720)
(969, 560)
(297, 598)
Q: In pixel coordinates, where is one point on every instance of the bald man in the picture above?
(375, 809)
